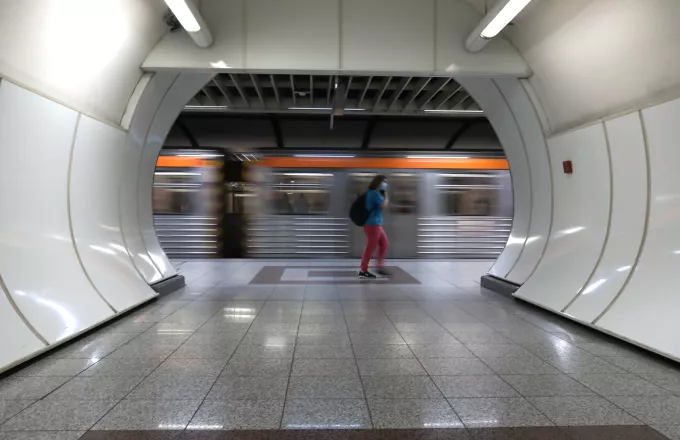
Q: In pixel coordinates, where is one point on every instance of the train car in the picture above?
(440, 206)
(296, 206)
(187, 203)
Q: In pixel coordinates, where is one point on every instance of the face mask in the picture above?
(383, 186)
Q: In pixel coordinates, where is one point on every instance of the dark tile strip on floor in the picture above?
(533, 433)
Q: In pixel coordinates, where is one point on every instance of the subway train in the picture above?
(209, 204)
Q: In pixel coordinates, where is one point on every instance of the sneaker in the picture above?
(383, 272)
(366, 275)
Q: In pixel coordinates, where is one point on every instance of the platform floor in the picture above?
(273, 346)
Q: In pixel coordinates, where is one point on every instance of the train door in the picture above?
(400, 218)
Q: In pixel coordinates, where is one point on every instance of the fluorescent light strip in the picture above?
(460, 112)
(205, 107)
(437, 157)
(504, 17)
(310, 108)
(324, 156)
(184, 14)
(355, 109)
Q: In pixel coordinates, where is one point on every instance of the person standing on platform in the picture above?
(376, 200)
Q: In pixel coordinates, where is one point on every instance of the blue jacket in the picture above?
(373, 201)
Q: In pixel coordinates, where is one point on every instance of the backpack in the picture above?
(358, 212)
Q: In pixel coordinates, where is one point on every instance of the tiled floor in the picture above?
(282, 348)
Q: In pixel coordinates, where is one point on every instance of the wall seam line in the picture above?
(14, 305)
(531, 192)
(70, 217)
(139, 169)
(645, 230)
(609, 221)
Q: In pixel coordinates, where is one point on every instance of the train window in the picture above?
(300, 193)
(469, 194)
(175, 192)
(403, 190)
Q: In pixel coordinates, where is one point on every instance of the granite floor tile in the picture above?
(149, 415)
(330, 339)
(322, 328)
(238, 414)
(10, 408)
(429, 338)
(142, 351)
(217, 351)
(325, 387)
(619, 385)
(193, 367)
(30, 387)
(324, 352)
(249, 387)
(258, 367)
(56, 367)
(97, 387)
(584, 366)
(400, 387)
(59, 415)
(172, 386)
(482, 338)
(670, 382)
(382, 351)
(376, 338)
(582, 411)
(499, 351)
(122, 367)
(324, 367)
(642, 365)
(548, 385)
(423, 351)
(95, 346)
(412, 413)
(474, 386)
(390, 367)
(498, 412)
(42, 435)
(326, 414)
(652, 410)
(520, 366)
(455, 366)
(258, 338)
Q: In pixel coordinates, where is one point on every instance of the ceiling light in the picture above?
(325, 156)
(504, 17)
(461, 112)
(437, 157)
(310, 108)
(184, 14)
(355, 109)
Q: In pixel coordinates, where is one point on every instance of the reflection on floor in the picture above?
(299, 345)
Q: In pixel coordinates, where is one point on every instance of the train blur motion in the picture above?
(211, 204)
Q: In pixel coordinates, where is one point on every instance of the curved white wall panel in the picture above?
(143, 115)
(580, 218)
(489, 98)
(96, 168)
(19, 341)
(541, 180)
(38, 261)
(182, 90)
(646, 312)
(628, 217)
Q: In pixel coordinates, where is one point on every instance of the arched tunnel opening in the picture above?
(107, 134)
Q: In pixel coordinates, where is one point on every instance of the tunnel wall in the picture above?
(63, 262)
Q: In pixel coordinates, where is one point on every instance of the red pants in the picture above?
(375, 237)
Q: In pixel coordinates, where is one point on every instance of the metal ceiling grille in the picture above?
(379, 95)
